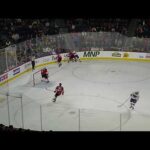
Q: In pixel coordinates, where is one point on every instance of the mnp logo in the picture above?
(16, 71)
(91, 54)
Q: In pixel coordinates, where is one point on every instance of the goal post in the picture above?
(36, 78)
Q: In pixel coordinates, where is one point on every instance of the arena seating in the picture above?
(17, 30)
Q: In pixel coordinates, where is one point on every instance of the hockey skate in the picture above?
(54, 99)
(60, 64)
(131, 107)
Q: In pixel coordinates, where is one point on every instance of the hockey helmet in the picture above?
(60, 84)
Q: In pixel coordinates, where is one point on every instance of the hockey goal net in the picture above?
(36, 77)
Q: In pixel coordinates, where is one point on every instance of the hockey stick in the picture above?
(124, 102)
(49, 89)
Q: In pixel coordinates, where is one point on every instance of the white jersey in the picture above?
(134, 96)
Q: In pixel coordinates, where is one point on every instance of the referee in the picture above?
(33, 62)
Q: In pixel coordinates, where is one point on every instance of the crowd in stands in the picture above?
(17, 30)
(10, 129)
(143, 28)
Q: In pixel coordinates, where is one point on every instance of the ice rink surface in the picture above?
(93, 91)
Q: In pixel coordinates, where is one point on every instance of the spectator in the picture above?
(15, 36)
(93, 29)
(113, 29)
(8, 43)
(47, 24)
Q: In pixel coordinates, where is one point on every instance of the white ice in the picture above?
(93, 91)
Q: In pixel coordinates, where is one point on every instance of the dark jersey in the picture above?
(59, 90)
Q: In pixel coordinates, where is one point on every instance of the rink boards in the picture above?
(87, 55)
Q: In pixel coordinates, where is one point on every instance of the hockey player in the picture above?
(44, 74)
(134, 98)
(59, 59)
(58, 91)
(71, 57)
(33, 62)
(76, 57)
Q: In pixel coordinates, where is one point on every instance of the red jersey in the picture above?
(59, 58)
(44, 71)
(71, 55)
(59, 90)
